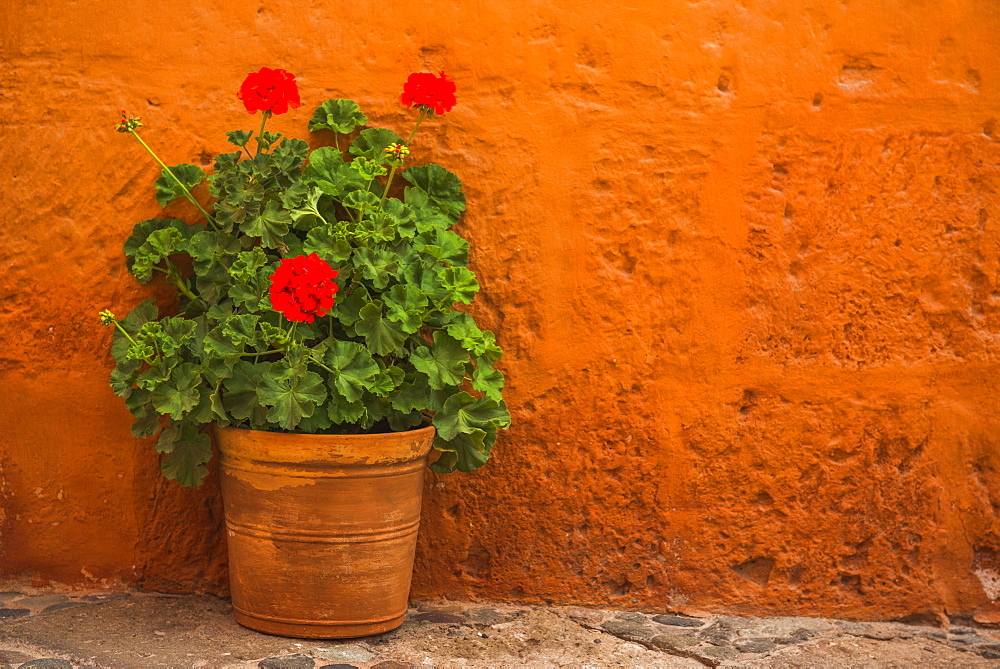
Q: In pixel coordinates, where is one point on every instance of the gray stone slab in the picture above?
(289, 662)
(630, 630)
(38, 601)
(679, 621)
(350, 653)
(14, 657)
(64, 605)
(6, 614)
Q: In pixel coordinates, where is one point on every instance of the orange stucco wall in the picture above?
(742, 256)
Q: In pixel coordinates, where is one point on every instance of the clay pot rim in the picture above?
(346, 437)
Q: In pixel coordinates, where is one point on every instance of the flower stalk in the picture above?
(187, 193)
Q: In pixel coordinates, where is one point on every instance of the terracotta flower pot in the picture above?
(322, 528)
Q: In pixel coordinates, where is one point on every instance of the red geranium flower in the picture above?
(303, 288)
(425, 90)
(269, 90)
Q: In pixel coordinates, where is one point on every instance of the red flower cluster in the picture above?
(303, 288)
(269, 90)
(425, 90)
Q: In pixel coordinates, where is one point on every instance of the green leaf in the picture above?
(241, 330)
(157, 373)
(187, 450)
(147, 420)
(323, 241)
(318, 421)
(461, 282)
(179, 394)
(247, 264)
(406, 306)
(462, 413)
(387, 380)
(341, 412)
(426, 217)
(141, 314)
(443, 363)
(348, 310)
(401, 215)
(208, 247)
(368, 169)
(361, 200)
(354, 370)
(399, 421)
(442, 189)
(296, 195)
(176, 331)
(376, 408)
(272, 335)
(265, 141)
(224, 162)
(170, 236)
(373, 142)
(411, 395)
(146, 423)
(377, 266)
(381, 335)
(340, 115)
(446, 463)
(209, 407)
(239, 191)
(167, 188)
(291, 394)
(328, 172)
(287, 161)
(377, 227)
(123, 376)
(443, 246)
(220, 343)
(488, 380)
(463, 328)
(471, 449)
(271, 225)
(239, 137)
(241, 399)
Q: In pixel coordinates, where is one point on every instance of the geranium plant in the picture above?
(318, 302)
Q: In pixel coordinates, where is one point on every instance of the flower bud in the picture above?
(396, 153)
(128, 123)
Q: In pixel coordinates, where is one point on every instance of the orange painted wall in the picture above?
(742, 256)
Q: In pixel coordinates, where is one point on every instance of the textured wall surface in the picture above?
(742, 256)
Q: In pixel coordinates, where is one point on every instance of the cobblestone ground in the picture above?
(118, 629)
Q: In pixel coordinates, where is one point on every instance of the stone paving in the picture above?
(120, 629)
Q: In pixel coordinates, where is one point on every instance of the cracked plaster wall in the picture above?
(742, 256)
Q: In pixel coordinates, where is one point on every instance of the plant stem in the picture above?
(385, 192)
(127, 335)
(187, 193)
(410, 138)
(260, 133)
(312, 359)
(392, 172)
(179, 281)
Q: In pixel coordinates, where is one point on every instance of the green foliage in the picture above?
(435, 187)
(341, 116)
(172, 183)
(393, 353)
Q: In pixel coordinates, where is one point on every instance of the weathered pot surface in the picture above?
(321, 528)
